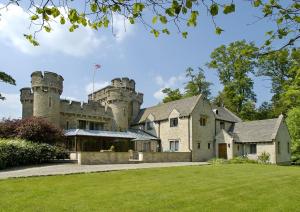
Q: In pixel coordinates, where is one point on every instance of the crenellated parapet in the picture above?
(26, 95)
(93, 109)
(47, 81)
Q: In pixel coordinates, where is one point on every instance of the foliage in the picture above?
(241, 159)
(6, 79)
(217, 161)
(293, 123)
(171, 95)
(265, 111)
(158, 16)
(197, 83)
(264, 158)
(21, 152)
(33, 129)
(234, 63)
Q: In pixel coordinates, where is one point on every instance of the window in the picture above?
(252, 148)
(82, 124)
(173, 122)
(278, 148)
(149, 125)
(222, 125)
(203, 121)
(146, 147)
(174, 146)
(67, 125)
(288, 147)
(198, 145)
(95, 126)
(228, 145)
(50, 101)
(208, 145)
(238, 147)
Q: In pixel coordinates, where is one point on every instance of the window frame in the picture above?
(175, 145)
(203, 120)
(149, 125)
(251, 149)
(174, 123)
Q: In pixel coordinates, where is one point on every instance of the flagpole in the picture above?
(93, 83)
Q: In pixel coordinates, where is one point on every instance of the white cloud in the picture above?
(172, 82)
(15, 22)
(11, 107)
(98, 85)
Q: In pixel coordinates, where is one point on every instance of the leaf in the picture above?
(184, 34)
(257, 3)
(219, 30)
(34, 17)
(154, 20)
(62, 20)
(155, 32)
(94, 7)
(189, 4)
(214, 9)
(7, 78)
(163, 19)
(166, 31)
(47, 29)
(229, 9)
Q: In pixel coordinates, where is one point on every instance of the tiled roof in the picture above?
(162, 111)
(257, 131)
(225, 114)
(137, 135)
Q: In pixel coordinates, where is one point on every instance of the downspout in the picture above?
(189, 134)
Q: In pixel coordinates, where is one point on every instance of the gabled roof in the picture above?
(222, 113)
(162, 111)
(137, 135)
(257, 131)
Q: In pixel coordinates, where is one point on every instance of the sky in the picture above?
(130, 51)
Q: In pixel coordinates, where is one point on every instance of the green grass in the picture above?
(236, 187)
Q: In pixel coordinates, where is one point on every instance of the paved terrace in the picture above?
(63, 169)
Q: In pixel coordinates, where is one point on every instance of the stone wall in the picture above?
(283, 138)
(93, 158)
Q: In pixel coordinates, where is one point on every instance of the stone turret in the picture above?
(47, 89)
(26, 98)
(123, 100)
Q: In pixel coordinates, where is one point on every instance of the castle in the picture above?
(111, 108)
(191, 126)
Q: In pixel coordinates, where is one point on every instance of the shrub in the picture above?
(32, 129)
(21, 152)
(241, 159)
(264, 158)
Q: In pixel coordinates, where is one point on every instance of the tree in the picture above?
(197, 83)
(100, 13)
(290, 97)
(277, 66)
(293, 122)
(171, 95)
(6, 79)
(234, 63)
(265, 111)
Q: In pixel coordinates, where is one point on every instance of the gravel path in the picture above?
(62, 169)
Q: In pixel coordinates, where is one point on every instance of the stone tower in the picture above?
(26, 97)
(123, 100)
(46, 90)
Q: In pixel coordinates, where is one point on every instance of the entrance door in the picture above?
(223, 151)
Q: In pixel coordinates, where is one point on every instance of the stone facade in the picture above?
(191, 125)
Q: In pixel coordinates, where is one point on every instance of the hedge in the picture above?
(14, 152)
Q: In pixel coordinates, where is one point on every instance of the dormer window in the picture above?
(173, 122)
(203, 120)
(149, 125)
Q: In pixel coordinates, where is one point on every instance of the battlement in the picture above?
(124, 82)
(26, 94)
(48, 80)
(83, 108)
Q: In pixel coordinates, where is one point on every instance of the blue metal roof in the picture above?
(136, 135)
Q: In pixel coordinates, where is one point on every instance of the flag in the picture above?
(97, 66)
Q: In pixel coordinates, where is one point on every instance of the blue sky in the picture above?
(154, 63)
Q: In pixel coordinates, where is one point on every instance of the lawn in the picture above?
(233, 187)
